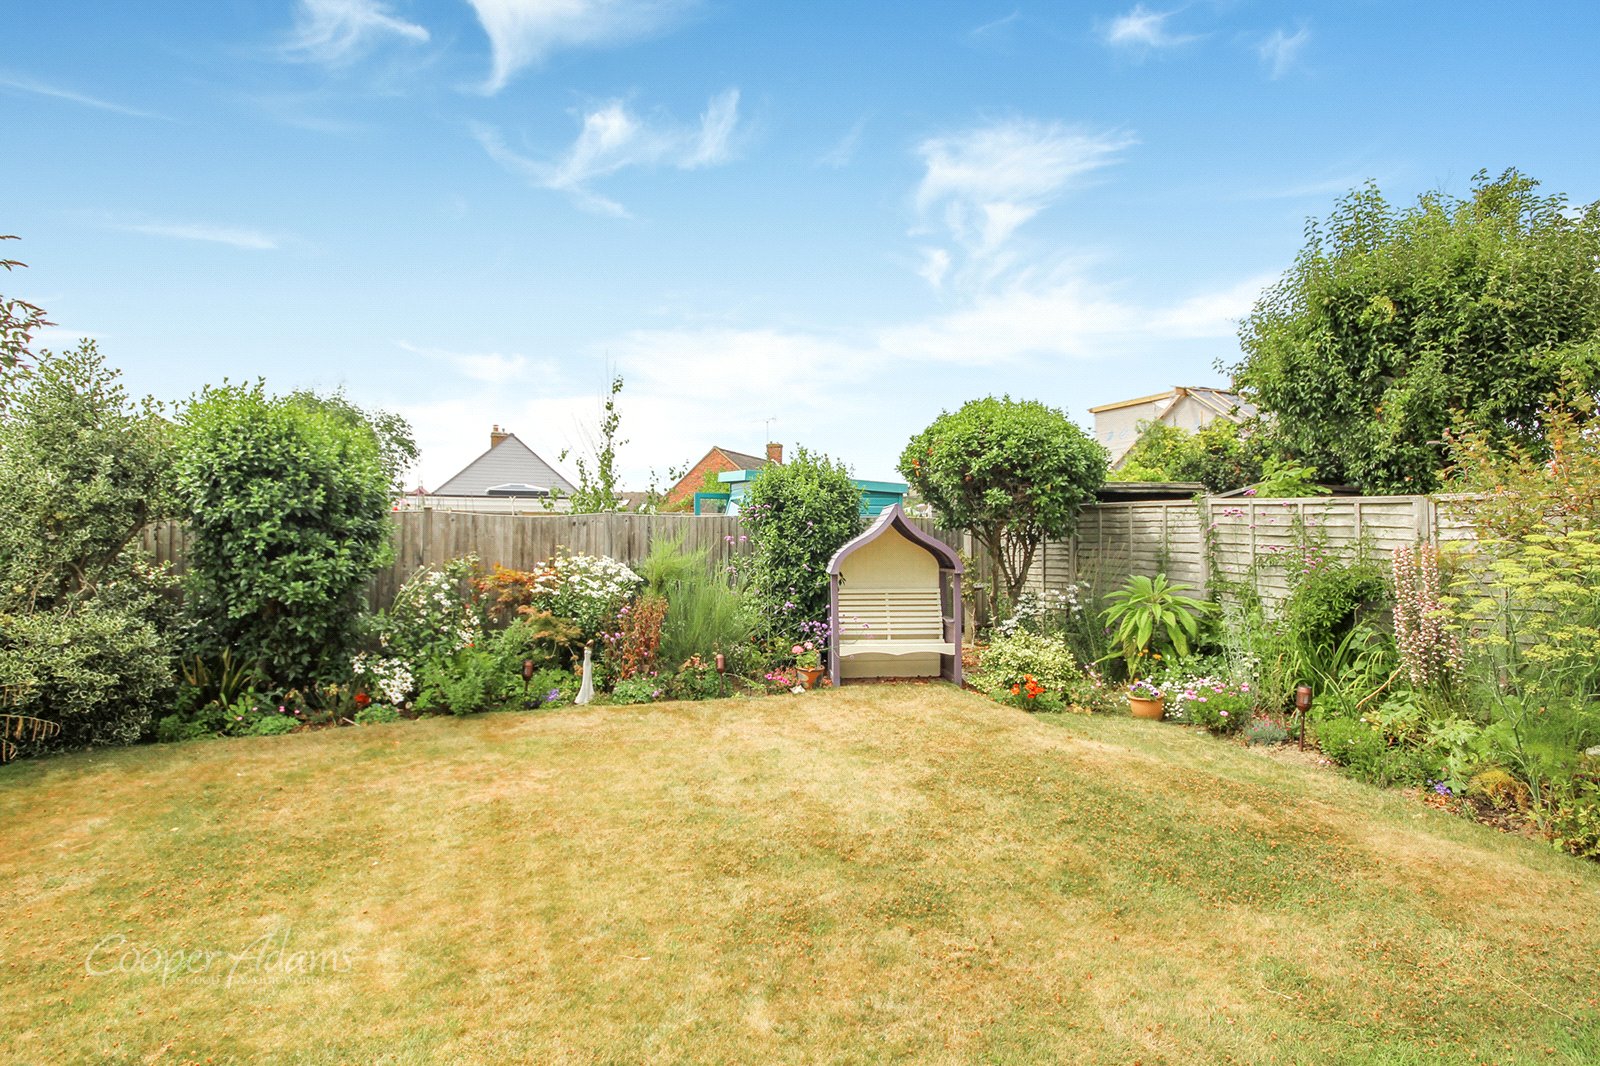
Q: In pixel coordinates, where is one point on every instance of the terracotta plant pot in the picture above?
(810, 675)
(1151, 709)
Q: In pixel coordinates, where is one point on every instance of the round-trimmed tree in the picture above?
(287, 501)
(1010, 472)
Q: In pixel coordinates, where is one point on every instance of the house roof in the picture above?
(744, 460)
(509, 461)
(1219, 401)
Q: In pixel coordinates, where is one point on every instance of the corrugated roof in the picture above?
(508, 462)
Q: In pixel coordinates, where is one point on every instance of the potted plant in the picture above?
(808, 661)
(1146, 700)
(1148, 608)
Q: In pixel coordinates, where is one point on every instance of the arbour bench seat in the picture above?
(892, 621)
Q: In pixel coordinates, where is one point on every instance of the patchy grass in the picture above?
(876, 874)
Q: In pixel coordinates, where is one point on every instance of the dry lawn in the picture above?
(878, 874)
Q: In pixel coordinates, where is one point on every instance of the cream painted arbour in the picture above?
(894, 604)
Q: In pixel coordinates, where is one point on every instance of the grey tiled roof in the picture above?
(510, 462)
(745, 460)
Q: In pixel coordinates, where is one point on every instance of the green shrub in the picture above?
(85, 624)
(1572, 815)
(272, 726)
(1362, 749)
(696, 679)
(1265, 731)
(552, 686)
(798, 514)
(638, 690)
(1010, 661)
(376, 714)
(468, 681)
(98, 669)
(287, 501)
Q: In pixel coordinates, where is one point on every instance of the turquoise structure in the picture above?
(876, 496)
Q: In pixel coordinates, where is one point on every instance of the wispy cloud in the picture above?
(337, 31)
(995, 28)
(247, 239)
(1280, 50)
(490, 368)
(613, 138)
(522, 32)
(1142, 28)
(38, 88)
(844, 149)
(984, 183)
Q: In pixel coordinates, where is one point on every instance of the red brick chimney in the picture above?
(774, 453)
(496, 435)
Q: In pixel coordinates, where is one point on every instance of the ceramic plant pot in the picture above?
(810, 675)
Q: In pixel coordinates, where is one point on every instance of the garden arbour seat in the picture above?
(892, 621)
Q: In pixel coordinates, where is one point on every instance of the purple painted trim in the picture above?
(895, 516)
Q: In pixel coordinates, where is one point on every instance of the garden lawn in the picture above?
(873, 874)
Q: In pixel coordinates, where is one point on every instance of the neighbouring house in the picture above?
(1118, 425)
(510, 476)
(718, 460)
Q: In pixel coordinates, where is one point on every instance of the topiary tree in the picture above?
(288, 502)
(1010, 472)
(1395, 325)
(83, 618)
(798, 513)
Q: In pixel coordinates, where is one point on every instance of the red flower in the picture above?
(362, 699)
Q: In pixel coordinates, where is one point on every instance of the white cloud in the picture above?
(336, 31)
(491, 368)
(1280, 50)
(985, 183)
(1143, 29)
(613, 138)
(522, 32)
(935, 265)
(28, 85)
(234, 237)
(1051, 332)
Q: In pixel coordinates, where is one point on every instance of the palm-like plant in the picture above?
(1146, 607)
(23, 727)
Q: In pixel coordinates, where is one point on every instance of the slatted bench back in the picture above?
(872, 614)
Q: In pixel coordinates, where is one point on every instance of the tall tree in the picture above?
(1010, 472)
(1395, 325)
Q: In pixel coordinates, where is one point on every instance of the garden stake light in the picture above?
(722, 673)
(1302, 704)
(527, 676)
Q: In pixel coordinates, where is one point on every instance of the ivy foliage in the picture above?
(287, 500)
(82, 617)
(798, 514)
(1010, 472)
(1393, 325)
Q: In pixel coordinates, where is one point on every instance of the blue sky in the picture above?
(845, 217)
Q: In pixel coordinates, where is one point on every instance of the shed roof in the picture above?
(509, 461)
(894, 517)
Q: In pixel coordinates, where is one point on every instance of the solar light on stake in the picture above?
(722, 673)
(527, 676)
(1302, 706)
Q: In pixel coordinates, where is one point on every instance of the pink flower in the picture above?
(797, 649)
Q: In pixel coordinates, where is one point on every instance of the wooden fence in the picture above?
(431, 537)
(1247, 538)
(1113, 541)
